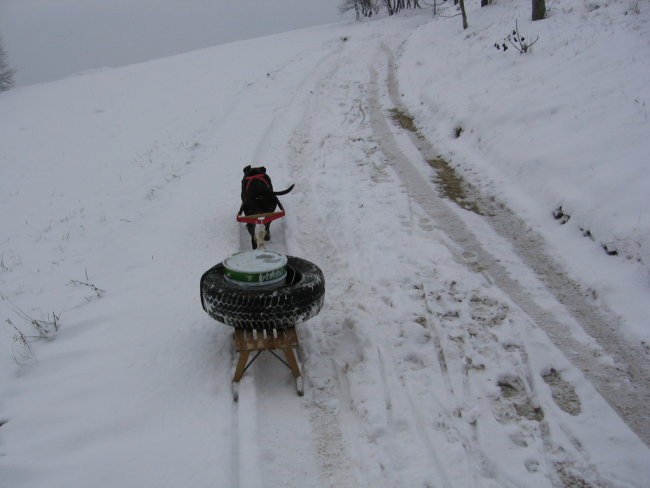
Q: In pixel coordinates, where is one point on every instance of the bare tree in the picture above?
(539, 9)
(366, 8)
(463, 13)
(6, 72)
(394, 6)
(362, 8)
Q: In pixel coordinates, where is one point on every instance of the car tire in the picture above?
(298, 298)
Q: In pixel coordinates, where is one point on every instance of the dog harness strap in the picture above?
(249, 180)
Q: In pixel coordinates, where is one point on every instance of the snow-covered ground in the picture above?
(490, 347)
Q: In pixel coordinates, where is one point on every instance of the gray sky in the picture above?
(47, 40)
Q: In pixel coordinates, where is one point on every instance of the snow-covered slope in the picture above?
(563, 127)
(440, 358)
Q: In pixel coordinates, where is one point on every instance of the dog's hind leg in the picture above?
(267, 233)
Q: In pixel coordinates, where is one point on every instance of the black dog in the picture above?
(257, 196)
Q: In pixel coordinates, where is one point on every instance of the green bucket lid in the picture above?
(256, 268)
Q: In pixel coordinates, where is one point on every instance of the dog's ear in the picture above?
(247, 170)
(262, 169)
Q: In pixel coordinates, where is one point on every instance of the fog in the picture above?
(47, 40)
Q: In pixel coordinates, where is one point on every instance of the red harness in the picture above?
(249, 180)
(263, 218)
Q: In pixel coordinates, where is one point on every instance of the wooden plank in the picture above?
(264, 339)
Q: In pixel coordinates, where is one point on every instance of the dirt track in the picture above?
(625, 382)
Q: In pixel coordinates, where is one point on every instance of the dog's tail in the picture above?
(284, 192)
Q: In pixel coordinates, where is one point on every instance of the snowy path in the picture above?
(279, 438)
(406, 336)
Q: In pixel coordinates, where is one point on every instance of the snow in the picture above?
(453, 349)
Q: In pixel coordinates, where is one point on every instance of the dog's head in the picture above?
(250, 171)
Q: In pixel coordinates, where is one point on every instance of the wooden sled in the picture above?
(247, 341)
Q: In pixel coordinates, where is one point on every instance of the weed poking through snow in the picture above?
(22, 342)
(516, 40)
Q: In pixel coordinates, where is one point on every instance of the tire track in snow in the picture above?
(625, 383)
(279, 422)
(462, 321)
(333, 420)
(562, 468)
(270, 421)
(471, 443)
(482, 340)
(379, 443)
(247, 465)
(416, 416)
(398, 437)
(356, 436)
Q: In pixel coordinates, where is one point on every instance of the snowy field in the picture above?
(469, 338)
